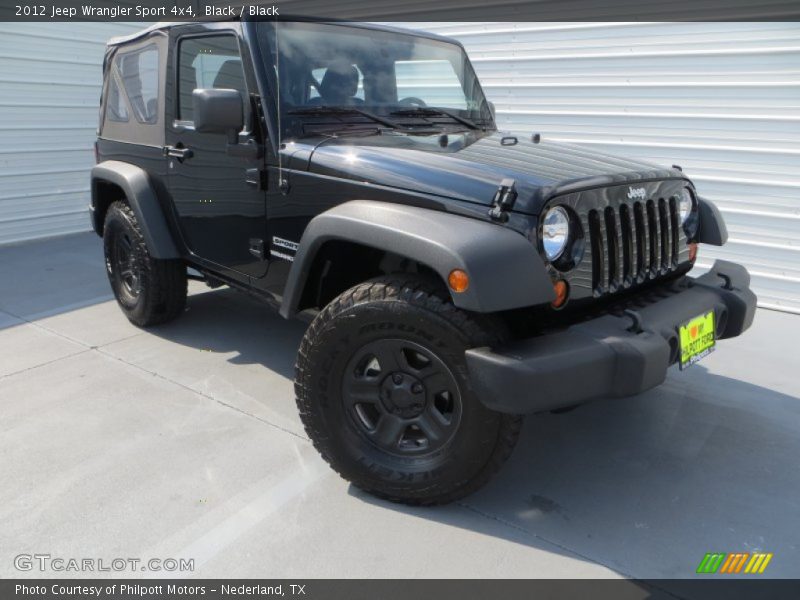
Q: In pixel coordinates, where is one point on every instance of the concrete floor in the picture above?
(183, 441)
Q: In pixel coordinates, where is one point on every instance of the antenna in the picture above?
(282, 184)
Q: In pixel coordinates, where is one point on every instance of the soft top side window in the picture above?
(116, 109)
(208, 62)
(133, 101)
(139, 73)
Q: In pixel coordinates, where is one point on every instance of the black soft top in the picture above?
(167, 25)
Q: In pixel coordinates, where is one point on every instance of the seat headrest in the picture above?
(340, 83)
(230, 76)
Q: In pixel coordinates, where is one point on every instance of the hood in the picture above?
(470, 166)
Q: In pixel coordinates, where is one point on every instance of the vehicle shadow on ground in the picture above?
(45, 279)
(644, 486)
(226, 321)
(647, 485)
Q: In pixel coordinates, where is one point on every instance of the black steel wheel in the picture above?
(148, 290)
(402, 397)
(384, 394)
(124, 267)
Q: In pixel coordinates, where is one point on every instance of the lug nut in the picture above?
(397, 378)
(417, 388)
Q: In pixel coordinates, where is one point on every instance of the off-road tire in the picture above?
(418, 312)
(159, 293)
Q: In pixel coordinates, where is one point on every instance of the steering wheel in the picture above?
(412, 101)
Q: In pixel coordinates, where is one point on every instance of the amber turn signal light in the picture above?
(562, 292)
(458, 281)
(692, 251)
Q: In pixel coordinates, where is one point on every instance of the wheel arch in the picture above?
(339, 264)
(116, 180)
(505, 270)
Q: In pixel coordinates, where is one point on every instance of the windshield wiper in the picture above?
(341, 110)
(340, 133)
(429, 111)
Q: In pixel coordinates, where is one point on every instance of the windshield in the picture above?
(336, 77)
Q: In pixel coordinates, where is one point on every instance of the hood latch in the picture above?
(503, 201)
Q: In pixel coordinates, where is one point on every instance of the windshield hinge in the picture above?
(503, 200)
(256, 248)
(256, 178)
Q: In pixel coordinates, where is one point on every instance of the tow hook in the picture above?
(726, 281)
(636, 325)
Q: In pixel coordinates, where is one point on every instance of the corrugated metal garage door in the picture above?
(49, 93)
(720, 99)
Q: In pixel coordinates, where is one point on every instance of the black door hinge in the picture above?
(257, 248)
(503, 201)
(256, 178)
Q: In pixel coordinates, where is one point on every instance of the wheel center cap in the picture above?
(403, 395)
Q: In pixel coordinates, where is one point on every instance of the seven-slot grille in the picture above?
(633, 242)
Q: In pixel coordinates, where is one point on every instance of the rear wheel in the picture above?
(383, 392)
(149, 291)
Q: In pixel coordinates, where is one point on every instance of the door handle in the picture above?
(179, 153)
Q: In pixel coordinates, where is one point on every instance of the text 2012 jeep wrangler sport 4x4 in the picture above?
(455, 277)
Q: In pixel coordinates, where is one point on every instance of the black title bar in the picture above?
(396, 10)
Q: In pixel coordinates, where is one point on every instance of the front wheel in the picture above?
(384, 395)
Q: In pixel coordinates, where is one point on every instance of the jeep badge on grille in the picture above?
(636, 193)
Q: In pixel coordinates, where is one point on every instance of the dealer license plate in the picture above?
(697, 339)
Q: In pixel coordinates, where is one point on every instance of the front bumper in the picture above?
(610, 356)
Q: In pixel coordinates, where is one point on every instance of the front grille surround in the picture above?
(629, 240)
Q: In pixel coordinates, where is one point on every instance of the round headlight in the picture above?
(555, 232)
(685, 205)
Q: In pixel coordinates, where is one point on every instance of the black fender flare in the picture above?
(505, 270)
(142, 199)
(712, 226)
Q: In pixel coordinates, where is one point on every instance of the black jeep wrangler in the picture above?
(455, 277)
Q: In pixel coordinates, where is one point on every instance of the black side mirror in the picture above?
(218, 111)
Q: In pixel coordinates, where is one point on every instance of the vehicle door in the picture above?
(218, 198)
